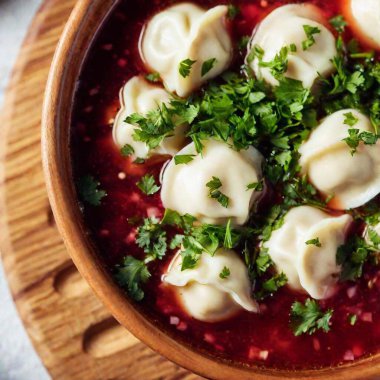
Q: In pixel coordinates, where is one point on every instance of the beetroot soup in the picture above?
(226, 158)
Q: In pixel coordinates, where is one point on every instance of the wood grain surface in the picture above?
(72, 332)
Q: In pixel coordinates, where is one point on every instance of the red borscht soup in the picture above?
(226, 160)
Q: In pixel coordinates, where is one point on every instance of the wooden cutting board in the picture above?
(72, 332)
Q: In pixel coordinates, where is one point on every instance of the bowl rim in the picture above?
(62, 197)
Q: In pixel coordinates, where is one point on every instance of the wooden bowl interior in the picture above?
(69, 58)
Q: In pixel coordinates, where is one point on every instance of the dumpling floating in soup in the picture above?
(214, 185)
(305, 248)
(365, 16)
(185, 33)
(205, 293)
(353, 179)
(301, 29)
(139, 96)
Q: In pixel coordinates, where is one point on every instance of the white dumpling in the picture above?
(326, 158)
(184, 186)
(140, 96)
(285, 26)
(309, 268)
(366, 20)
(204, 294)
(186, 31)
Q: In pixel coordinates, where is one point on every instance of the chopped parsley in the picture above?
(338, 23)
(214, 185)
(350, 119)
(228, 243)
(185, 67)
(139, 161)
(233, 11)
(355, 137)
(152, 238)
(127, 150)
(310, 32)
(271, 286)
(131, 275)
(89, 191)
(256, 186)
(208, 66)
(200, 238)
(225, 273)
(180, 159)
(279, 65)
(315, 242)
(153, 77)
(308, 318)
(356, 252)
(147, 185)
(352, 318)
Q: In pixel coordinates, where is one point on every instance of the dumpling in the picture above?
(364, 16)
(326, 158)
(139, 96)
(182, 32)
(204, 294)
(284, 27)
(309, 264)
(184, 187)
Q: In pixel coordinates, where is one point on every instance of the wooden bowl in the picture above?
(87, 16)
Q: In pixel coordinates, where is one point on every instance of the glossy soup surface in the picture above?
(250, 338)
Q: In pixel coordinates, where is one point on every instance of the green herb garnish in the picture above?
(310, 32)
(315, 242)
(185, 67)
(225, 273)
(88, 188)
(207, 66)
(308, 318)
(153, 77)
(127, 150)
(214, 185)
(131, 275)
(181, 159)
(147, 185)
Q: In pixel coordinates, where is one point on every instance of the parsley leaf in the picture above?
(256, 186)
(352, 318)
(310, 32)
(127, 150)
(270, 286)
(185, 67)
(355, 137)
(355, 253)
(279, 65)
(147, 185)
(173, 218)
(207, 66)
(131, 275)
(233, 11)
(180, 159)
(139, 161)
(153, 127)
(350, 119)
(214, 185)
(88, 188)
(225, 273)
(308, 318)
(153, 77)
(338, 23)
(152, 238)
(228, 236)
(315, 242)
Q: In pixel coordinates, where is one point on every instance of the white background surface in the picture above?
(18, 361)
